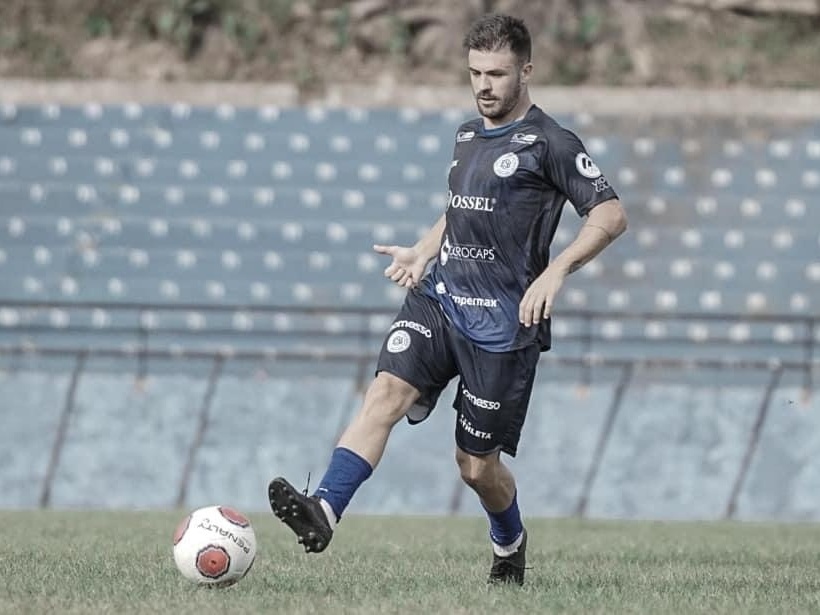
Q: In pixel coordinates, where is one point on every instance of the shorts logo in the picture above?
(467, 426)
(506, 164)
(399, 341)
(413, 326)
(465, 136)
(586, 167)
(485, 404)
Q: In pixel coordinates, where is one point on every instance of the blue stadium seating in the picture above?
(141, 220)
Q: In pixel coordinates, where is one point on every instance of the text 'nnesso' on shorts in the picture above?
(426, 351)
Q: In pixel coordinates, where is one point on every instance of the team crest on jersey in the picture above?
(399, 341)
(586, 167)
(465, 136)
(506, 164)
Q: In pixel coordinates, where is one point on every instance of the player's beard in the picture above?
(503, 106)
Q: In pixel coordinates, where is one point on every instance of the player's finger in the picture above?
(547, 308)
(537, 309)
(526, 310)
(384, 249)
(391, 269)
(522, 307)
(398, 274)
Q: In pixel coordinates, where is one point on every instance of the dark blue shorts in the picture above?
(426, 351)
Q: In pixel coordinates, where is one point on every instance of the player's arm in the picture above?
(428, 246)
(604, 223)
(409, 264)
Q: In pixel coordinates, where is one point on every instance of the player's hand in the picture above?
(407, 266)
(536, 304)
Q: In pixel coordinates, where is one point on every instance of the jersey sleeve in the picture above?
(571, 170)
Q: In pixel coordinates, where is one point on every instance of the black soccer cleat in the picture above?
(301, 513)
(510, 569)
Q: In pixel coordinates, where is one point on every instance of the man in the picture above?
(481, 311)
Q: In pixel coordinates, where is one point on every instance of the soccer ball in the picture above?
(214, 546)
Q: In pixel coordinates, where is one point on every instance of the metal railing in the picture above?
(359, 335)
(362, 356)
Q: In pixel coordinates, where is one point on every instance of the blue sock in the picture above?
(344, 474)
(505, 526)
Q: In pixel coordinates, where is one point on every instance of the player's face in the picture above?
(497, 80)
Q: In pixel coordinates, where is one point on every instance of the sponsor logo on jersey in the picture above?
(465, 136)
(586, 167)
(474, 301)
(399, 341)
(506, 164)
(600, 184)
(413, 326)
(465, 252)
(523, 139)
(472, 202)
(486, 404)
(467, 426)
(441, 289)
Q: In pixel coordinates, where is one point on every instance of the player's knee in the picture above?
(477, 472)
(388, 398)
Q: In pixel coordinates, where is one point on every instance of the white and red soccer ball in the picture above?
(214, 546)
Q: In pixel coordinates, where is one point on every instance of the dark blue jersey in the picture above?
(507, 188)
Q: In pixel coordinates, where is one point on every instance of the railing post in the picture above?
(62, 431)
(754, 438)
(201, 428)
(603, 439)
(808, 384)
(586, 351)
(142, 351)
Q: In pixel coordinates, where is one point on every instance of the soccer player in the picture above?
(480, 311)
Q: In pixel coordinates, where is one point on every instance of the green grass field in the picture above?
(72, 562)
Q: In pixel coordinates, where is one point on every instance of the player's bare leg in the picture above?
(495, 486)
(313, 518)
(386, 401)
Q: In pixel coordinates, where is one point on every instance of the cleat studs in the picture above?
(300, 539)
(312, 535)
(319, 545)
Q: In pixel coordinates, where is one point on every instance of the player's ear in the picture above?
(526, 72)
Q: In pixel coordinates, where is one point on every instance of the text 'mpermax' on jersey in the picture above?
(507, 189)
